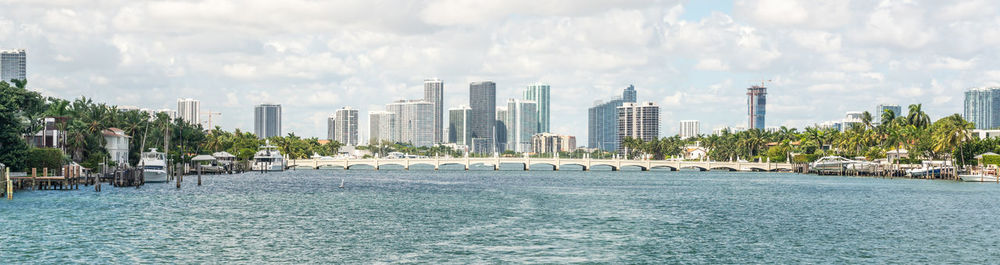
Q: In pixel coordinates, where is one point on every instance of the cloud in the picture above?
(824, 57)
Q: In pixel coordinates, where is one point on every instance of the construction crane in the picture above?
(210, 114)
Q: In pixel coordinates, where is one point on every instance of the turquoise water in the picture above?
(509, 217)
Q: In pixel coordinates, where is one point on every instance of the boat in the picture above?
(930, 169)
(829, 164)
(978, 178)
(927, 172)
(207, 164)
(268, 159)
(341, 183)
(226, 160)
(837, 164)
(154, 165)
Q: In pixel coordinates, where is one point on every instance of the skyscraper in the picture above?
(345, 126)
(381, 126)
(881, 108)
(331, 127)
(267, 120)
(539, 93)
(982, 107)
(602, 121)
(458, 128)
(13, 65)
(482, 118)
(639, 121)
(189, 110)
(522, 123)
(503, 119)
(756, 107)
(414, 121)
(434, 93)
(629, 95)
(690, 129)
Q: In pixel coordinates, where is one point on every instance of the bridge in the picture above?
(525, 163)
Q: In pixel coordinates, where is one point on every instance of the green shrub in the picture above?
(50, 158)
(991, 160)
(805, 158)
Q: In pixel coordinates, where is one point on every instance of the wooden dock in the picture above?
(70, 178)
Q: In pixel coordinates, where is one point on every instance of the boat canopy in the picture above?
(203, 158)
(223, 154)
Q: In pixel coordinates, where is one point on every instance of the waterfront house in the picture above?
(897, 154)
(51, 134)
(695, 153)
(117, 145)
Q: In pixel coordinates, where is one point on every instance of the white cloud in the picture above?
(824, 57)
(712, 65)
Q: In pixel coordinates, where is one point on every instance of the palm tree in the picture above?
(888, 116)
(630, 144)
(954, 132)
(866, 119)
(917, 117)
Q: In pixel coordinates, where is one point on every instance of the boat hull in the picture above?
(268, 168)
(978, 178)
(153, 176)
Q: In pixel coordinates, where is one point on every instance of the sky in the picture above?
(693, 58)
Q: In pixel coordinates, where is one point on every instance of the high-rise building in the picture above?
(13, 65)
(458, 128)
(522, 123)
(690, 129)
(381, 127)
(170, 113)
(503, 119)
(539, 93)
(482, 118)
(267, 120)
(602, 121)
(414, 121)
(851, 119)
(189, 110)
(638, 120)
(548, 143)
(629, 95)
(434, 93)
(756, 107)
(331, 127)
(345, 126)
(982, 107)
(882, 108)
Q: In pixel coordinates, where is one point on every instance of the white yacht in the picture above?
(154, 165)
(268, 159)
(979, 178)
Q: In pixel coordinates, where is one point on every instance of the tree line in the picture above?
(82, 121)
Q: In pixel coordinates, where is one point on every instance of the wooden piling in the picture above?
(10, 185)
(199, 175)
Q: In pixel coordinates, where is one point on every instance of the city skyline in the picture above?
(825, 59)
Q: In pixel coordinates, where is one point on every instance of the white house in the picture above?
(117, 145)
(897, 154)
(695, 153)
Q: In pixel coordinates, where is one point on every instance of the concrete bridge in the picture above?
(525, 163)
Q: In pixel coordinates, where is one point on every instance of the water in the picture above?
(509, 217)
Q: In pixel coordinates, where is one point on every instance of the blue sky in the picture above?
(694, 58)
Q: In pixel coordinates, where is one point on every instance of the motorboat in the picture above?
(268, 159)
(979, 178)
(830, 164)
(930, 169)
(154, 165)
(225, 160)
